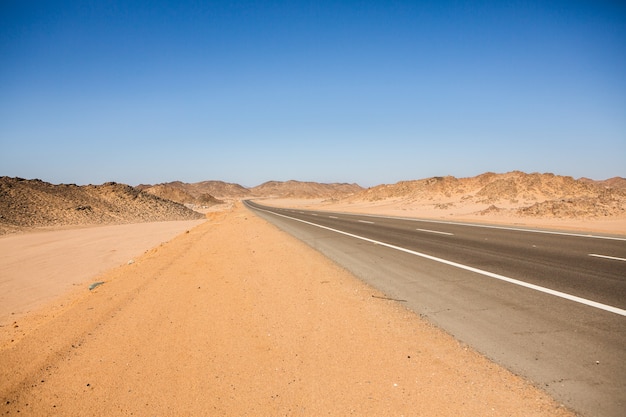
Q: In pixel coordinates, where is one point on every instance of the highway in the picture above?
(550, 306)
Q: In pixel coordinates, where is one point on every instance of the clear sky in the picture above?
(356, 91)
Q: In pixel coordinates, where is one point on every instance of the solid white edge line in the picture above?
(560, 294)
(607, 257)
(436, 231)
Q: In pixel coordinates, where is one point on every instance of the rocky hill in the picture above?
(299, 189)
(181, 193)
(615, 182)
(538, 195)
(26, 204)
(200, 190)
(213, 190)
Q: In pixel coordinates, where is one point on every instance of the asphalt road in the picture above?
(548, 306)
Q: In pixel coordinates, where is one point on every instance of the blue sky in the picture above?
(367, 92)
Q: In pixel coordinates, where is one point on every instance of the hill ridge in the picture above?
(535, 194)
(27, 204)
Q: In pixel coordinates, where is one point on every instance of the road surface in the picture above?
(549, 306)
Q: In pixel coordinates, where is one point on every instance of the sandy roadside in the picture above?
(238, 318)
(37, 267)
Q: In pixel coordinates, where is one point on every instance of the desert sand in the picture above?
(235, 317)
(37, 267)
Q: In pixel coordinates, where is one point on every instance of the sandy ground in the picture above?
(39, 266)
(237, 318)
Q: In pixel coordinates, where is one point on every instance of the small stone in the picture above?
(95, 284)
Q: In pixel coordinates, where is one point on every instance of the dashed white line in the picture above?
(436, 231)
(486, 226)
(333, 217)
(365, 221)
(615, 258)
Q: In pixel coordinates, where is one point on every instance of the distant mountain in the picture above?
(615, 182)
(218, 189)
(189, 193)
(170, 193)
(35, 203)
(206, 190)
(298, 189)
(182, 193)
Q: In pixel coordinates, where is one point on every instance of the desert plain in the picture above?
(228, 315)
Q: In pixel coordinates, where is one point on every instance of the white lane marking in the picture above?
(539, 288)
(333, 217)
(608, 257)
(486, 226)
(436, 231)
(365, 221)
(314, 214)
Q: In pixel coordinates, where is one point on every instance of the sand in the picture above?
(39, 266)
(237, 318)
